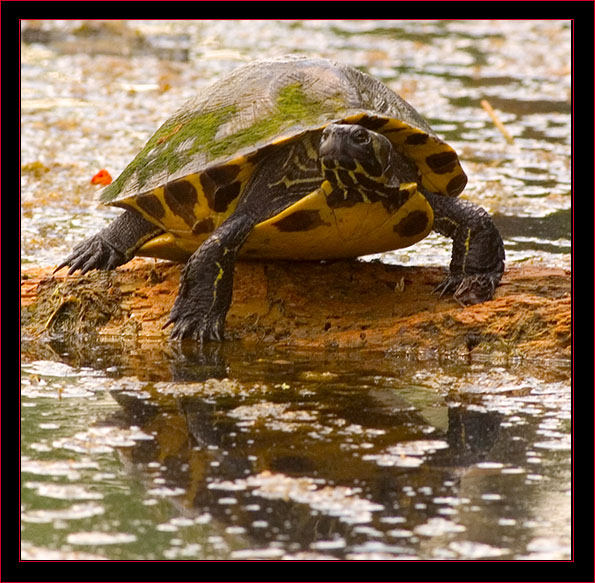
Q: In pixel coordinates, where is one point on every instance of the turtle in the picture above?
(290, 158)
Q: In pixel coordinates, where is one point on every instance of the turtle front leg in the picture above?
(478, 256)
(112, 246)
(206, 284)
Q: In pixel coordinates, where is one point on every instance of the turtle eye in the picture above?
(361, 136)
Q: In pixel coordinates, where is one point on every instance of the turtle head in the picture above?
(353, 156)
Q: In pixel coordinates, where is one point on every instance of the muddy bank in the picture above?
(313, 306)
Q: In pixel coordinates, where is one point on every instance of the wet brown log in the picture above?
(345, 304)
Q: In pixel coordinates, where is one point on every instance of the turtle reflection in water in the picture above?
(290, 158)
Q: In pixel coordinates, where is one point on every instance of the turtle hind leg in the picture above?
(112, 246)
(206, 283)
(478, 255)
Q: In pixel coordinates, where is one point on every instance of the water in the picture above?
(146, 452)
(294, 456)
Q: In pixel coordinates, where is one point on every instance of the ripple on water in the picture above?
(98, 538)
(74, 512)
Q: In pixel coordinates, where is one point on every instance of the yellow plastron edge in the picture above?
(311, 230)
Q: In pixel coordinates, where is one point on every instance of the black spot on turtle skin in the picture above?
(414, 223)
(341, 178)
(456, 185)
(343, 165)
(305, 220)
(372, 166)
(151, 204)
(347, 164)
(443, 162)
(417, 139)
(367, 183)
(345, 178)
(181, 196)
(203, 226)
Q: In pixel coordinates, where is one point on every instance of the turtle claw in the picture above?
(194, 330)
(443, 287)
(192, 325)
(92, 253)
(476, 289)
(468, 290)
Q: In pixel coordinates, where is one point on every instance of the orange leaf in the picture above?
(102, 177)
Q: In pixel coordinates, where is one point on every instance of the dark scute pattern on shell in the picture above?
(219, 188)
(203, 226)
(225, 196)
(180, 197)
(456, 185)
(442, 162)
(300, 221)
(372, 123)
(209, 187)
(151, 205)
(415, 222)
(416, 139)
(224, 174)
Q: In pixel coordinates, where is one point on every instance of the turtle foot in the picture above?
(92, 253)
(468, 290)
(190, 323)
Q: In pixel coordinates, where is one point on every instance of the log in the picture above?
(313, 306)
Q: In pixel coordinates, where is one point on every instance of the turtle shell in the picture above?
(191, 173)
(270, 102)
